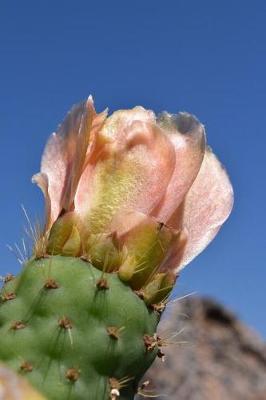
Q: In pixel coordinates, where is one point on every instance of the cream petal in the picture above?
(133, 172)
(206, 207)
(188, 137)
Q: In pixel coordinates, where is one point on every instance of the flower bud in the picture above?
(133, 193)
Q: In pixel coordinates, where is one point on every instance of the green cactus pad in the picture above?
(75, 332)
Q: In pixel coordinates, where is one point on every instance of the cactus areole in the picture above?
(130, 200)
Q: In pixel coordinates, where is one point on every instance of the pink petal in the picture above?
(75, 131)
(65, 155)
(176, 252)
(206, 207)
(42, 181)
(188, 137)
(126, 221)
(54, 167)
(132, 172)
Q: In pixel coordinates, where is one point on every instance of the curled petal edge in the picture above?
(206, 207)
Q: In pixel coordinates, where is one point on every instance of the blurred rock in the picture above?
(14, 387)
(210, 355)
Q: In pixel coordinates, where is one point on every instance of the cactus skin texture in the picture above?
(75, 332)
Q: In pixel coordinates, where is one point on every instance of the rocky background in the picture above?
(209, 355)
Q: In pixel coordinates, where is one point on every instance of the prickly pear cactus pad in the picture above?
(74, 331)
(130, 200)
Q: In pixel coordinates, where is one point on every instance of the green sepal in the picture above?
(159, 288)
(64, 237)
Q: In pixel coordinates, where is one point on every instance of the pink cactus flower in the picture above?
(150, 183)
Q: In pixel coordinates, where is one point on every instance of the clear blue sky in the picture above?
(206, 57)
